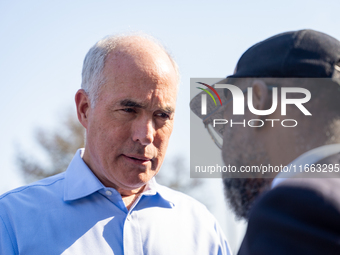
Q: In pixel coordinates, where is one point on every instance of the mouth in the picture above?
(137, 159)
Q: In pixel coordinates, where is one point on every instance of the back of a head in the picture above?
(304, 58)
(297, 54)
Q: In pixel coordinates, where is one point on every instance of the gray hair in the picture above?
(94, 62)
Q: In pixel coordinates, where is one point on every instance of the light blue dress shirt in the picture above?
(73, 213)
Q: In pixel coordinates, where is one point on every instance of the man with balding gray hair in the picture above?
(107, 201)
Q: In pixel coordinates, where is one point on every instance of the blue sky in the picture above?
(43, 44)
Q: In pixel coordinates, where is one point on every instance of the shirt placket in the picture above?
(132, 237)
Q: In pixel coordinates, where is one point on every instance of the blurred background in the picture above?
(42, 47)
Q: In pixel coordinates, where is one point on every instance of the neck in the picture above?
(130, 196)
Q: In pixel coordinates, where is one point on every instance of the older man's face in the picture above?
(129, 128)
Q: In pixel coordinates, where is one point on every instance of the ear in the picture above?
(83, 105)
(260, 94)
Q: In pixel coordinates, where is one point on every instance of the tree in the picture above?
(58, 146)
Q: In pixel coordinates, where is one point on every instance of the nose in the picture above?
(143, 131)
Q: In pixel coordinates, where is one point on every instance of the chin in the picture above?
(143, 179)
(136, 183)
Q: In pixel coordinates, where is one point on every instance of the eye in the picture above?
(163, 115)
(128, 110)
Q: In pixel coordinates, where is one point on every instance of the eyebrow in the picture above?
(128, 102)
(169, 110)
(131, 103)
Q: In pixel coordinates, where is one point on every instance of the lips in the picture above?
(138, 159)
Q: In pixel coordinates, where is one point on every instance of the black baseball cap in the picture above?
(297, 54)
(303, 53)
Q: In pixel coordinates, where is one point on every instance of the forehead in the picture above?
(143, 58)
(146, 95)
(144, 77)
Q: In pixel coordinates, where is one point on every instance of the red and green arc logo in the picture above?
(208, 92)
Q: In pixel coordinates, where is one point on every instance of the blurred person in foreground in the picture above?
(107, 201)
(295, 210)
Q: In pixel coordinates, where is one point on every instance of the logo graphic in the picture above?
(238, 99)
(204, 97)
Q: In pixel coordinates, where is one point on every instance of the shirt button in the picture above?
(108, 192)
(128, 217)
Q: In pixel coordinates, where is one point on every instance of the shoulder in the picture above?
(185, 203)
(325, 188)
(300, 195)
(25, 206)
(35, 191)
(291, 218)
(178, 197)
(195, 216)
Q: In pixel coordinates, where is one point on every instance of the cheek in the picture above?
(107, 135)
(162, 139)
(161, 142)
(230, 140)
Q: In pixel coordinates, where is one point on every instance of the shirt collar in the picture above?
(309, 157)
(81, 182)
(153, 188)
(79, 179)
